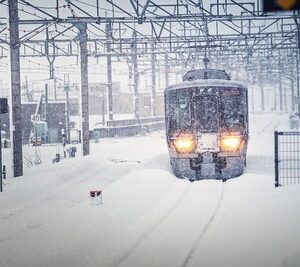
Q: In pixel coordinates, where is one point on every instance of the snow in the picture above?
(208, 82)
(148, 216)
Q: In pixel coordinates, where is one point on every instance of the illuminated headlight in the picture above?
(185, 143)
(231, 143)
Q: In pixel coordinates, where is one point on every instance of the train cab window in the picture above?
(178, 109)
(233, 106)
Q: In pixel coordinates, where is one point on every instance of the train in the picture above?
(207, 125)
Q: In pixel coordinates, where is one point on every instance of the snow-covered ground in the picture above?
(149, 217)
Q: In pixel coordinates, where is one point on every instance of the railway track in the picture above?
(195, 227)
(204, 231)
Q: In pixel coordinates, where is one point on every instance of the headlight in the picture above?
(231, 143)
(185, 143)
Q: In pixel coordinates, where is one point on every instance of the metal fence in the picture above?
(287, 158)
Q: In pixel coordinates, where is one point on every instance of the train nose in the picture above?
(207, 142)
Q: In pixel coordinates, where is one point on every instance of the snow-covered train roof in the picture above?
(203, 82)
(200, 74)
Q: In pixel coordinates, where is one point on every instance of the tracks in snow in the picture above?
(150, 230)
(176, 236)
(205, 229)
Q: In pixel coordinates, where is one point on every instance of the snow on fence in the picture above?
(129, 127)
(287, 158)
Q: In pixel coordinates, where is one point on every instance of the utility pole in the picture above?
(135, 77)
(67, 106)
(82, 27)
(51, 62)
(27, 90)
(3, 110)
(262, 92)
(15, 88)
(298, 77)
(102, 105)
(297, 64)
(284, 96)
(109, 70)
(153, 74)
(252, 93)
(1, 182)
(292, 85)
(275, 96)
(280, 88)
(166, 71)
(46, 103)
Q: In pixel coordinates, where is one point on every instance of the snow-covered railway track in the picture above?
(58, 199)
(205, 229)
(152, 228)
(173, 240)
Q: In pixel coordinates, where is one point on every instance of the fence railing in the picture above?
(287, 158)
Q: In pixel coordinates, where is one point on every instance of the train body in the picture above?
(39, 133)
(207, 126)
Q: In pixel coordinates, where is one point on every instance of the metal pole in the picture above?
(135, 77)
(276, 159)
(52, 76)
(298, 82)
(262, 89)
(252, 94)
(109, 71)
(153, 72)
(166, 71)
(15, 88)
(280, 88)
(67, 106)
(103, 106)
(46, 103)
(54, 88)
(1, 189)
(292, 86)
(275, 97)
(284, 98)
(297, 66)
(82, 27)
(97, 6)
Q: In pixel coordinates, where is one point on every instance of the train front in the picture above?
(207, 126)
